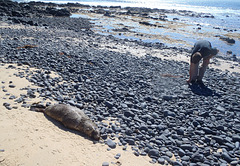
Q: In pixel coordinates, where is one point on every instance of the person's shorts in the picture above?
(195, 58)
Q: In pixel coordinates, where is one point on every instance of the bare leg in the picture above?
(203, 69)
(193, 72)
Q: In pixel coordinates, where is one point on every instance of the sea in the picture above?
(226, 12)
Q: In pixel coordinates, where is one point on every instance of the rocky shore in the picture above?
(155, 112)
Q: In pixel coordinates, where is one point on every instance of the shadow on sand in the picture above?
(203, 90)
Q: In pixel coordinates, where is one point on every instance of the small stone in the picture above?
(105, 164)
(167, 98)
(234, 163)
(180, 131)
(12, 86)
(161, 161)
(130, 141)
(109, 104)
(236, 138)
(153, 153)
(176, 163)
(136, 153)
(226, 157)
(196, 157)
(169, 154)
(111, 144)
(181, 152)
(195, 123)
(187, 147)
(169, 113)
(185, 158)
(143, 153)
(12, 97)
(143, 127)
(125, 147)
(117, 156)
(129, 113)
(218, 139)
(6, 104)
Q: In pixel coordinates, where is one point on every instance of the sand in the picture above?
(29, 138)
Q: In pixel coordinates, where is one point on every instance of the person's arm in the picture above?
(211, 55)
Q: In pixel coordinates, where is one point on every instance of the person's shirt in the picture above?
(202, 46)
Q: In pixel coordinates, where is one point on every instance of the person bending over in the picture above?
(202, 50)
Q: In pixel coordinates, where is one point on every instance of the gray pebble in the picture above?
(111, 144)
(105, 164)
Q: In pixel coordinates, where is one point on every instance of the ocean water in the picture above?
(226, 13)
(216, 6)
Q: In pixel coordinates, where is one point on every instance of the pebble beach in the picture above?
(135, 91)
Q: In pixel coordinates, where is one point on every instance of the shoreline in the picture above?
(173, 28)
(134, 91)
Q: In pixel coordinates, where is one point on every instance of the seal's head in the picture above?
(95, 134)
(92, 130)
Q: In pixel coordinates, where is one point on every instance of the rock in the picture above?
(185, 158)
(218, 139)
(129, 113)
(109, 104)
(169, 154)
(180, 131)
(130, 141)
(169, 113)
(161, 161)
(117, 156)
(136, 153)
(111, 144)
(186, 147)
(105, 164)
(168, 98)
(12, 97)
(58, 12)
(143, 127)
(227, 39)
(236, 138)
(234, 163)
(226, 157)
(12, 86)
(196, 157)
(181, 153)
(6, 104)
(153, 153)
(176, 163)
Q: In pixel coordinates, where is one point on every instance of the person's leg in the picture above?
(193, 72)
(203, 69)
(194, 64)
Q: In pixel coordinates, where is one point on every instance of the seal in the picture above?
(71, 117)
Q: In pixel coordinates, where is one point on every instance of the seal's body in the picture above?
(72, 118)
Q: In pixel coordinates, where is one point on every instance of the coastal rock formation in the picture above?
(14, 9)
